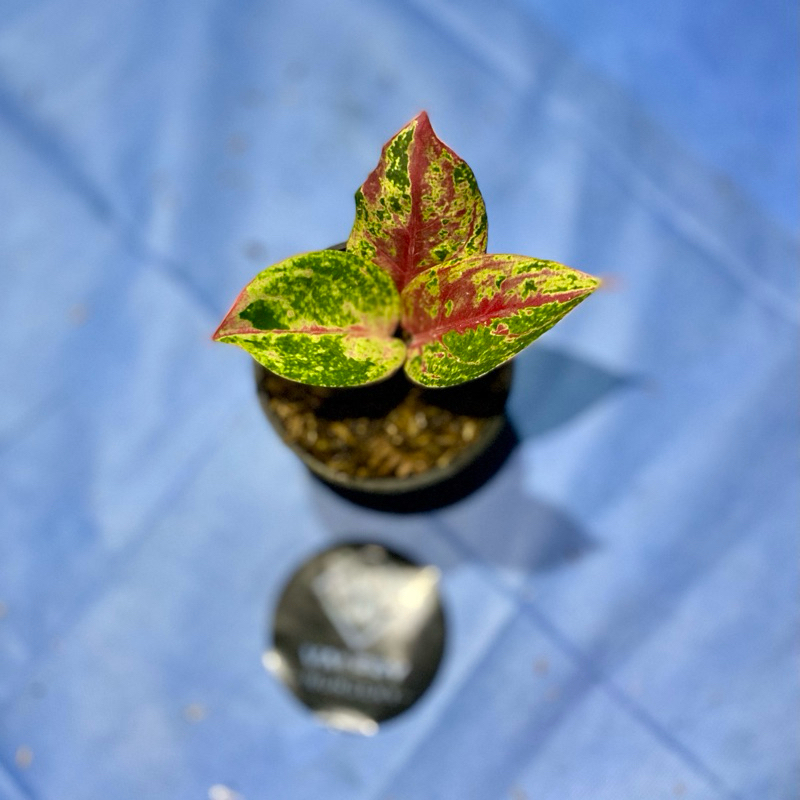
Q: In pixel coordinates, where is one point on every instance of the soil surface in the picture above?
(393, 429)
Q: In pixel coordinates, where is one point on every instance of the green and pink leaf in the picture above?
(420, 206)
(469, 316)
(325, 319)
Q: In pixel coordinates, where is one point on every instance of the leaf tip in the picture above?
(218, 334)
(223, 328)
(597, 283)
(422, 119)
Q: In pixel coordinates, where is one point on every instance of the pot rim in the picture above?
(488, 435)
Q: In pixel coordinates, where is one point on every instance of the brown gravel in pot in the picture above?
(390, 429)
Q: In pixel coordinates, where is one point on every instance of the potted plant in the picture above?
(410, 314)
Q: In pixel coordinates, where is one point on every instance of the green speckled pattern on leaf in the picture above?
(325, 318)
(333, 359)
(419, 207)
(470, 316)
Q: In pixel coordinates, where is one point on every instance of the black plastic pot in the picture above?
(484, 398)
(475, 463)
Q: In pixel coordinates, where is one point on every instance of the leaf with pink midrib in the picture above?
(325, 318)
(419, 207)
(468, 317)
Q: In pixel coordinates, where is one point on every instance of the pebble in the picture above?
(341, 432)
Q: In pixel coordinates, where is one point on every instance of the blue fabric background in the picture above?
(622, 596)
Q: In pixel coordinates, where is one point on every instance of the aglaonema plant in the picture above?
(414, 287)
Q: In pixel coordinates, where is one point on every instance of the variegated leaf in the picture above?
(419, 207)
(469, 316)
(325, 319)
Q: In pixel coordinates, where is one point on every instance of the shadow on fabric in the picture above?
(549, 389)
(486, 513)
(499, 523)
